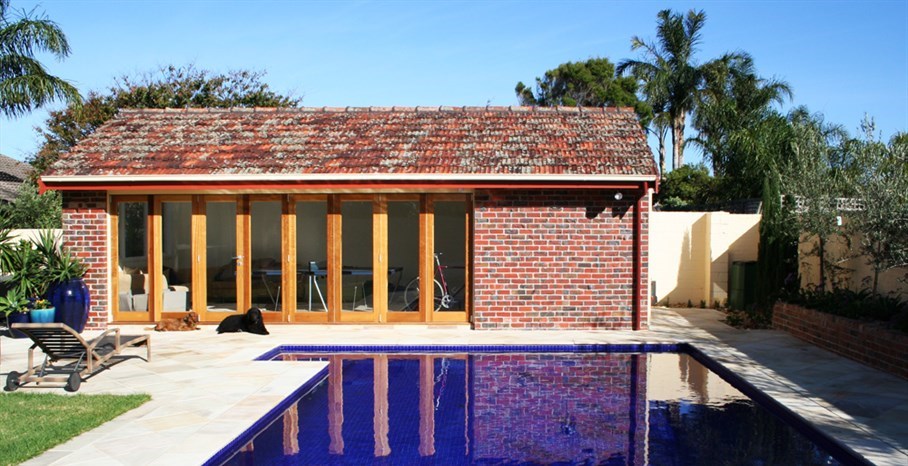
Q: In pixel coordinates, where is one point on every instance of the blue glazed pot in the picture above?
(72, 301)
(17, 318)
(42, 316)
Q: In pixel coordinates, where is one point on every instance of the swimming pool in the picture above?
(554, 404)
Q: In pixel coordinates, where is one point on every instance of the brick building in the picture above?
(524, 217)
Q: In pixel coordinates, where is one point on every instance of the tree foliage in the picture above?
(687, 188)
(755, 151)
(169, 87)
(777, 251)
(672, 79)
(815, 177)
(879, 178)
(588, 84)
(31, 210)
(24, 82)
(737, 128)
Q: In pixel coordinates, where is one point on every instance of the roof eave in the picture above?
(335, 181)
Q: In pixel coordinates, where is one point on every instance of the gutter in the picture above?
(372, 181)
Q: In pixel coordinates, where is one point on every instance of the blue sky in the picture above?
(843, 58)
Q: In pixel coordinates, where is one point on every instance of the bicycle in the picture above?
(443, 297)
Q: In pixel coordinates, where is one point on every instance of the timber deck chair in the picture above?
(59, 342)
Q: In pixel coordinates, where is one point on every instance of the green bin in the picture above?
(742, 282)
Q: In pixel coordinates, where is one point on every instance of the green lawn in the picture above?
(31, 423)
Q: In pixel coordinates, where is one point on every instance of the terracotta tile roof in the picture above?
(350, 142)
(12, 174)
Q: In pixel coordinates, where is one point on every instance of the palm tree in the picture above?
(654, 93)
(669, 66)
(24, 83)
(733, 102)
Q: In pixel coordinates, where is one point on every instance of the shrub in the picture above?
(861, 305)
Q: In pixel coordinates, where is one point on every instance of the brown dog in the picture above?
(188, 322)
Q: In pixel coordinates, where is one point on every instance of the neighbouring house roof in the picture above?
(438, 144)
(12, 174)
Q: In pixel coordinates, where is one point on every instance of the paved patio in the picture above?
(207, 390)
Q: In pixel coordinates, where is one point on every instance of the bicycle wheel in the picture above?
(411, 295)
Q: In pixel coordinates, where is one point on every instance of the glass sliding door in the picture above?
(356, 260)
(298, 257)
(403, 255)
(450, 247)
(312, 256)
(176, 254)
(129, 219)
(221, 258)
(266, 265)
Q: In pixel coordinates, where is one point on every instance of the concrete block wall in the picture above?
(85, 234)
(692, 253)
(854, 271)
(557, 260)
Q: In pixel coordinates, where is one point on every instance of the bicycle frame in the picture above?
(440, 273)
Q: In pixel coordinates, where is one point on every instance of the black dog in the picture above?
(250, 322)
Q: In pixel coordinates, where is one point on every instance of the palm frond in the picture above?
(28, 36)
(22, 94)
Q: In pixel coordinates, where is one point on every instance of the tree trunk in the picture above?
(876, 279)
(822, 252)
(677, 141)
(662, 153)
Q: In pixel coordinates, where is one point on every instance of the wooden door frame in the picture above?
(269, 316)
(402, 316)
(335, 259)
(201, 236)
(114, 258)
(292, 265)
(158, 259)
(426, 285)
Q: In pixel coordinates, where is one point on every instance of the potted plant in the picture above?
(14, 307)
(46, 271)
(66, 289)
(42, 311)
(26, 269)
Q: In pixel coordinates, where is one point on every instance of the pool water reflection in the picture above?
(524, 408)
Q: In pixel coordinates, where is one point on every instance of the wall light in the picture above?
(618, 196)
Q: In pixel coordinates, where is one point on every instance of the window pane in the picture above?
(133, 283)
(403, 255)
(356, 277)
(312, 255)
(221, 255)
(266, 261)
(176, 255)
(450, 249)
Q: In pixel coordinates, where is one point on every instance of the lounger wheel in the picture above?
(73, 382)
(12, 381)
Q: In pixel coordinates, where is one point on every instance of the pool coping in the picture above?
(832, 445)
(206, 388)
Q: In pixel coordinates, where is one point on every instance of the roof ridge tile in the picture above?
(378, 109)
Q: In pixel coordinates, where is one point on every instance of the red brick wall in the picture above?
(85, 234)
(557, 260)
(560, 406)
(867, 343)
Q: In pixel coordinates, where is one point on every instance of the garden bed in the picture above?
(870, 343)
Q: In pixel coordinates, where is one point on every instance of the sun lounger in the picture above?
(59, 342)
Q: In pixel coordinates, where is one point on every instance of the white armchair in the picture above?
(134, 287)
